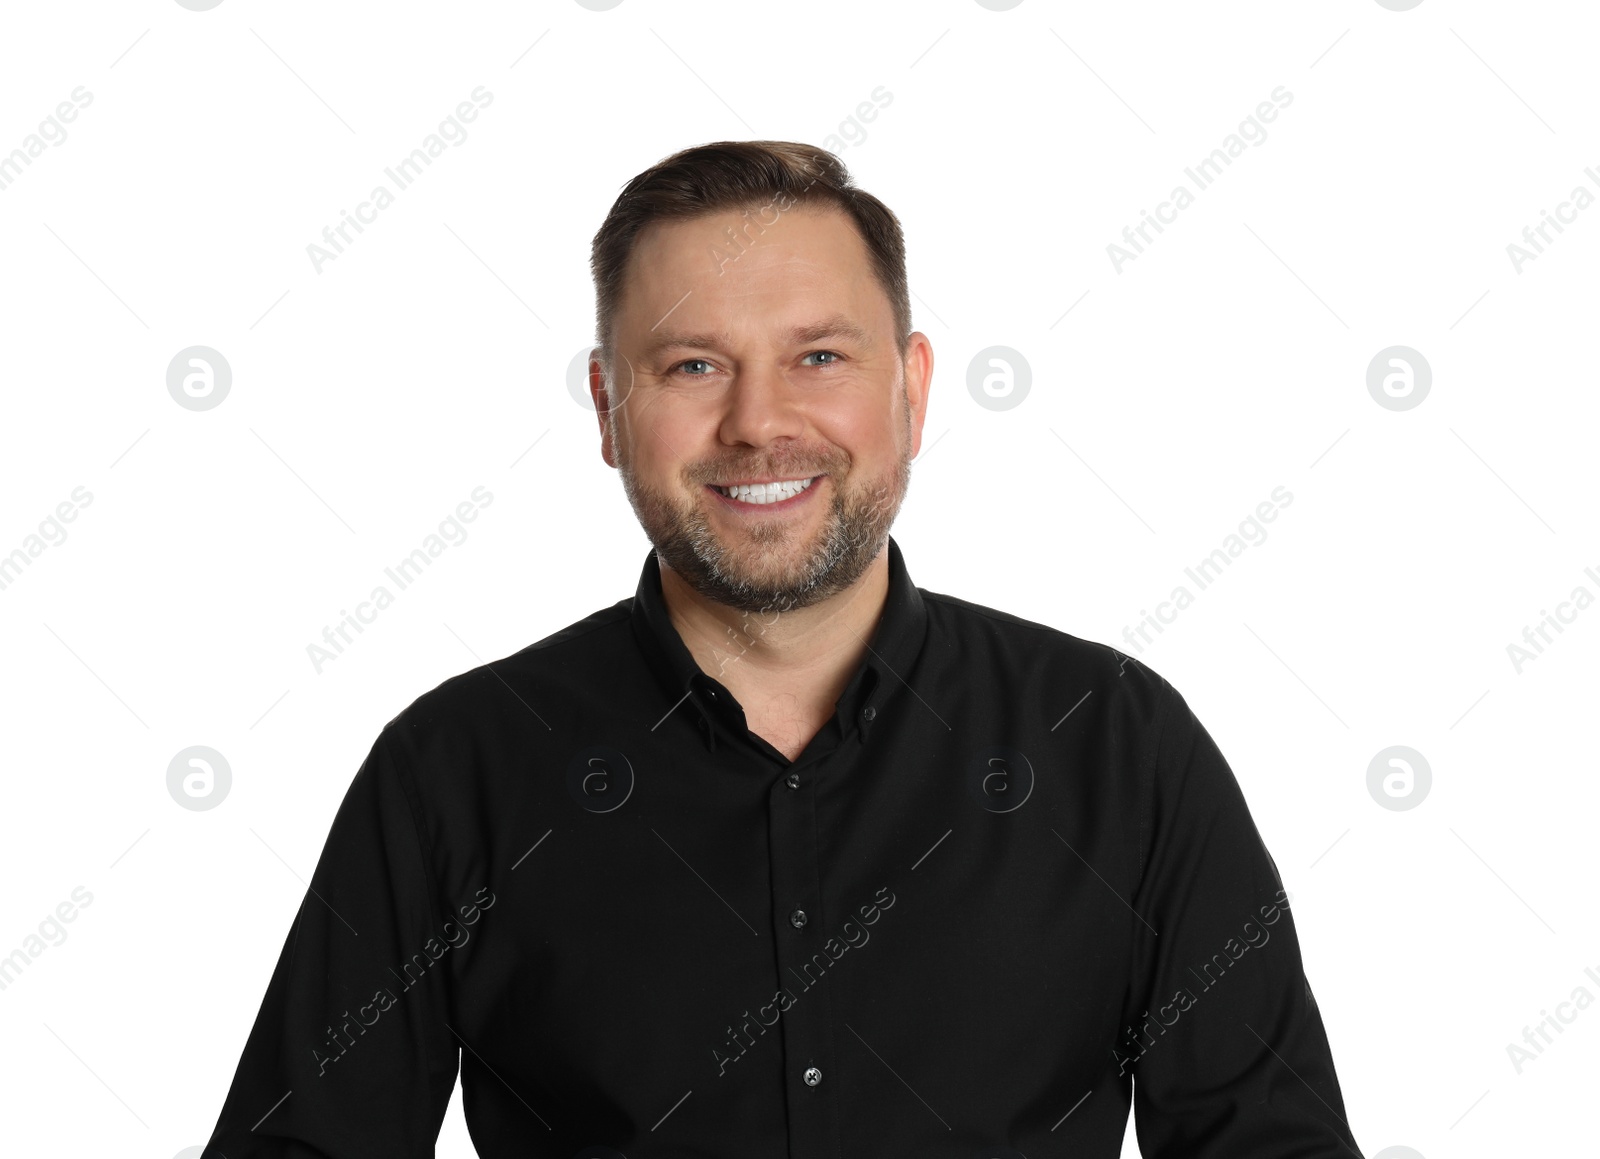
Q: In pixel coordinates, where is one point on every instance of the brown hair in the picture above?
(739, 174)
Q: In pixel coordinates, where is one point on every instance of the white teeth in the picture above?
(767, 492)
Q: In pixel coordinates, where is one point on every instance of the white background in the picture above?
(1167, 401)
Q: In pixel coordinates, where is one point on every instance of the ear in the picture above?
(602, 406)
(919, 379)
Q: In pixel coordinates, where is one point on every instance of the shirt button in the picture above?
(797, 918)
(792, 780)
(868, 712)
(813, 1076)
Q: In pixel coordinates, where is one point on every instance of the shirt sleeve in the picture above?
(1222, 1034)
(351, 1054)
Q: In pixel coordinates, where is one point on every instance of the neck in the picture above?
(806, 656)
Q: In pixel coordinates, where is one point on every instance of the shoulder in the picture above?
(1038, 659)
(515, 697)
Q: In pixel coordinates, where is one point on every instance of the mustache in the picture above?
(789, 470)
(795, 463)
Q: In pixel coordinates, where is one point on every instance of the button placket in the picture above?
(803, 964)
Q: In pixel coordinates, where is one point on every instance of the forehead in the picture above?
(809, 260)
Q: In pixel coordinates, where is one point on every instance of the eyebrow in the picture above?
(836, 326)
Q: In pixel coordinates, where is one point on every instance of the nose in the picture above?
(762, 406)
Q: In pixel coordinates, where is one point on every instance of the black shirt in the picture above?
(1009, 887)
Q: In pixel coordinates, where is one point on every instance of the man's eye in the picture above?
(692, 362)
(829, 353)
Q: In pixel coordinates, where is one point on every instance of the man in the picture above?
(785, 856)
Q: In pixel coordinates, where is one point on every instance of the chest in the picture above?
(784, 730)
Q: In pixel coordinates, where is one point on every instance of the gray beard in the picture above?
(853, 535)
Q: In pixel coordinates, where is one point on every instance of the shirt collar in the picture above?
(891, 652)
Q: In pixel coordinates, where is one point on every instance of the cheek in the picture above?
(659, 456)
(861, 421)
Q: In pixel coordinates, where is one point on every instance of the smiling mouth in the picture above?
(763, 493)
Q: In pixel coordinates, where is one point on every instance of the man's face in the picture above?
(775, 363)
